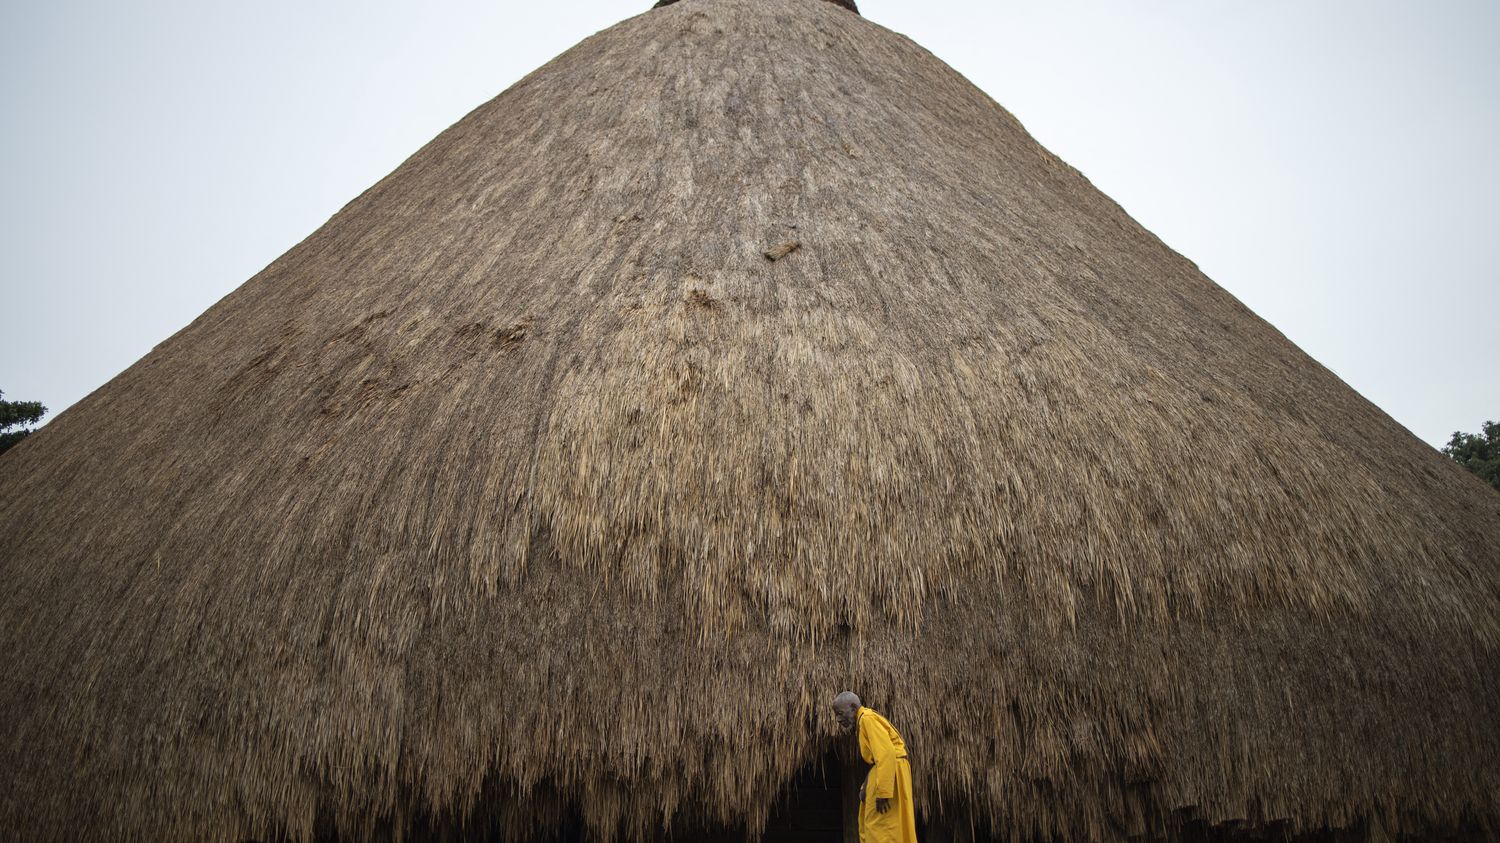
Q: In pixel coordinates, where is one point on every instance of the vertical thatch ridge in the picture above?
(464, 507)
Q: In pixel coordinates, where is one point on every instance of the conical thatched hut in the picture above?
(743, 353)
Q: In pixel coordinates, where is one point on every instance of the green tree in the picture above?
(16, 418)
(1478, 452)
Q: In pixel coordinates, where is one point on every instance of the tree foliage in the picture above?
(1478, 452)
(16, 419)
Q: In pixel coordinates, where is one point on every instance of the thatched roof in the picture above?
(531, 483)
(847, 4)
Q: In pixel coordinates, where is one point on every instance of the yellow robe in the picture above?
(889, 778)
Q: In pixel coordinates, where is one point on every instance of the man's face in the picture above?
(844, 711)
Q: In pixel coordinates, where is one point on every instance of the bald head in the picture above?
(844, 707)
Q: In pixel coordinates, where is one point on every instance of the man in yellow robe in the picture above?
(886, 814)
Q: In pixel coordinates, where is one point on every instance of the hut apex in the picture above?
(847, 4)
(742, 353)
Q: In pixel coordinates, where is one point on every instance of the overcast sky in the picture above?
(1335, 164)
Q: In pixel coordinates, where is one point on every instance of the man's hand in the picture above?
(882, 805)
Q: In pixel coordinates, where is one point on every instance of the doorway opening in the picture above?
(811, 809)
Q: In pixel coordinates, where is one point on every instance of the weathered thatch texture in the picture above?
(848, 4)
(529, 481)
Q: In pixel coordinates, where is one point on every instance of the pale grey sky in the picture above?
(1335, 164)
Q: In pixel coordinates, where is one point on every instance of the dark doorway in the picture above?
(810, 810)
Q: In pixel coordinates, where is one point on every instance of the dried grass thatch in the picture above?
(847, 4)
(528, 485)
